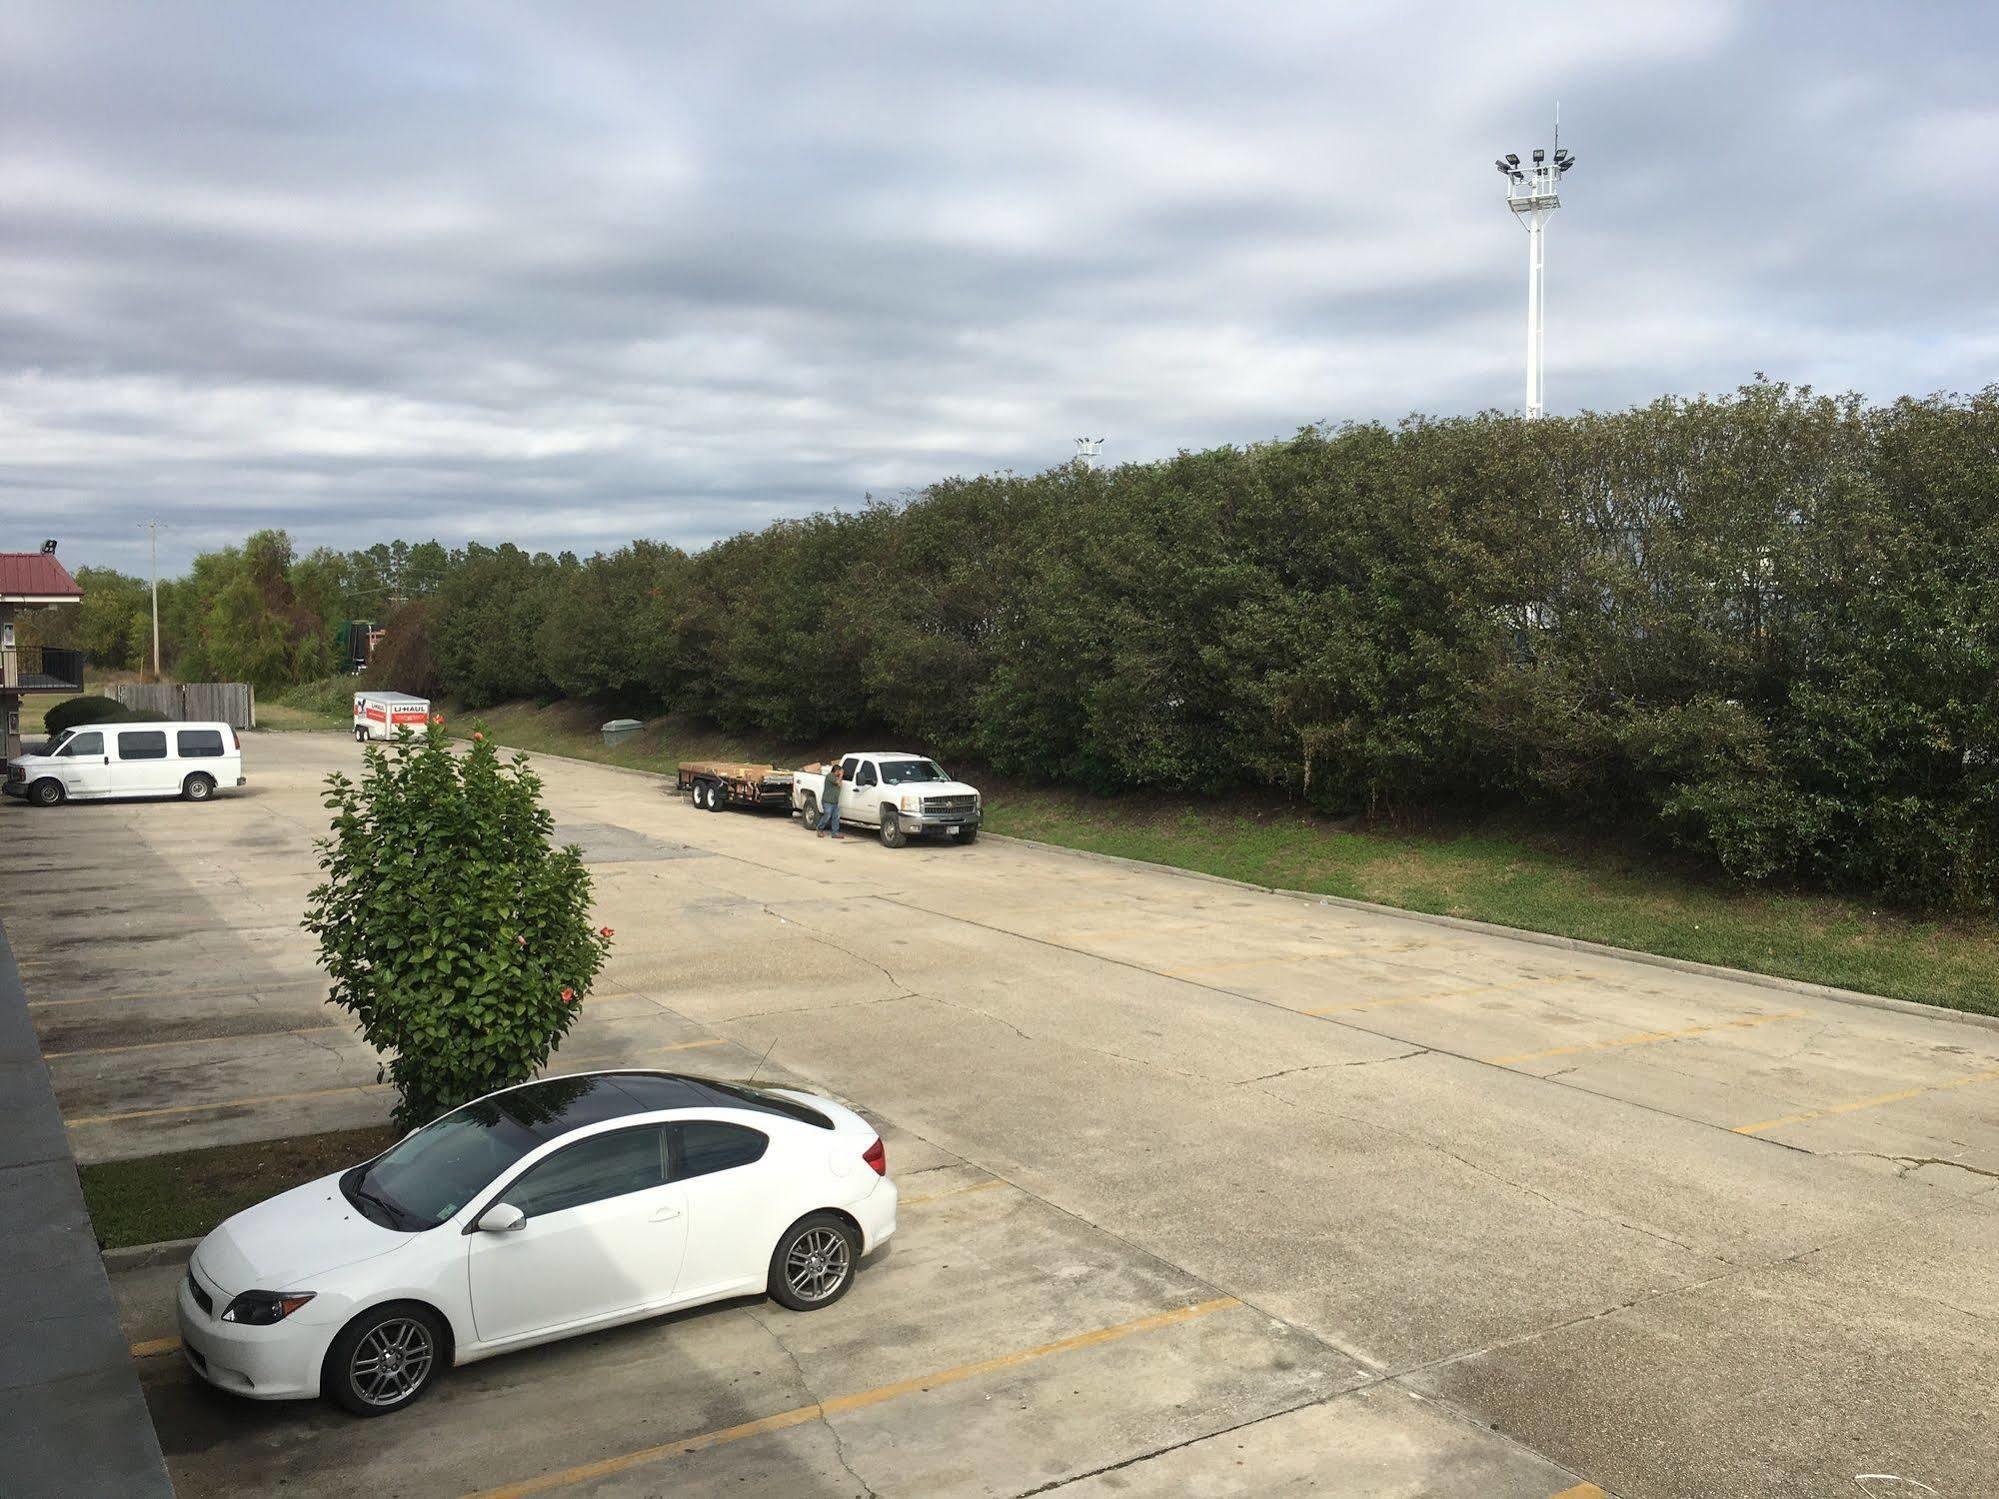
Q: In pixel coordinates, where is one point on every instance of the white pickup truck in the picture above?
(901, 796)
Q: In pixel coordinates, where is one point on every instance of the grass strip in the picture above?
(186, 1193)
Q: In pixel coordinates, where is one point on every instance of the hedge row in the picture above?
(1765, 626)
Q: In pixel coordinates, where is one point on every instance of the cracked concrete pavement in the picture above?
(1600, 1222)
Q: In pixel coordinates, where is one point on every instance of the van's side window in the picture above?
(142, 744)
(198, 742)
(83, 744)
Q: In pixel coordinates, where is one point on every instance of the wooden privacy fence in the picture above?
(233, 703)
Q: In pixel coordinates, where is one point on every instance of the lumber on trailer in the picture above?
(732, 771)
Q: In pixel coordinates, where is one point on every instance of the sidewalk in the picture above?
(72, 1420)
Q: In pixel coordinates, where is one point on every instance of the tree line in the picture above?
(1763, 627)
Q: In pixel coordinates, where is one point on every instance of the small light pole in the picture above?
(1087, 449)
(1533, 193)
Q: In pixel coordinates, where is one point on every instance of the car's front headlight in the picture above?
(262, 1308)
(907, 800)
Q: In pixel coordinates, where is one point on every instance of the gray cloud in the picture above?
(567, 275)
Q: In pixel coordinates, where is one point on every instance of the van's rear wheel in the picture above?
(47, 792)
(198, 787)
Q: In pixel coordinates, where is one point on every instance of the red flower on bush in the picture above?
(437, 718)
(477, 735)
(568, 996)
(604, 931)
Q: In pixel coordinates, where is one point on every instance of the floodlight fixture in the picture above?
(1533, 194)
(1087, 449)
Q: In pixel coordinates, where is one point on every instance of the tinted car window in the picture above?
(424, 1179)
(199, 742)
(867, 776)
(83, 744)
(707, 1146)
(849, 766)
(627, 1160)
(142, 744)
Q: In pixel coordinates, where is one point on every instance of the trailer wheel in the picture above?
(718, 796)
(808, 811)
(701, 796)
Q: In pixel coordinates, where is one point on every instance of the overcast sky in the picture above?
(567, 274)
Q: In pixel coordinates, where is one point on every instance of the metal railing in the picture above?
(43, 668)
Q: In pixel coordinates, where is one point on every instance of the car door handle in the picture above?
(665, 1214)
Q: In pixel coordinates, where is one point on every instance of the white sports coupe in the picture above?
(550, 1209)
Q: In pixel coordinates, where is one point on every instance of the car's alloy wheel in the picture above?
(814, 1262)
(382, 1363)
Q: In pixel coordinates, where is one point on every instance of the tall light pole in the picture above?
(1087, 449)
(1533, 193)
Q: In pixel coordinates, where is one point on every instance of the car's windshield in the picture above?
(902, 772)
(54, 746)
(424, 1179)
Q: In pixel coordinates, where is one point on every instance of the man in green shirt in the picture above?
(829, 821)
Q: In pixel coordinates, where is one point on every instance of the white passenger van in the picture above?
(381, 715)
(107, 761)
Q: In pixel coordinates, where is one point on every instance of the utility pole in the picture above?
(1533, 193)
(1087, 449)
(153, 536)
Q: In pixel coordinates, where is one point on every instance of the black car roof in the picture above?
(557, 1105)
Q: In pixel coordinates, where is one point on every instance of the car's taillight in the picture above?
(876, 1155)
(234, 742)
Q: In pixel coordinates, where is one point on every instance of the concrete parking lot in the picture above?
(1207, 1190)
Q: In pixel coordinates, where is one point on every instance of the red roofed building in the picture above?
(32, 580)
(36, 578)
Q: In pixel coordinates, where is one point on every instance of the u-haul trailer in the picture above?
(378, 715)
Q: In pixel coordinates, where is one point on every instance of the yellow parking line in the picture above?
(1581, 1491)
(1410, 999)
(1645, 1038)
(154, 1348)
(244, 1103)
(1869, 1103)
(105, 1051)
(984, 1186)
(108, 999)
(310, 1030)
(860, 1400)
(119, 999)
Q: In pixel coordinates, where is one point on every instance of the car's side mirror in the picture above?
(501, 1218)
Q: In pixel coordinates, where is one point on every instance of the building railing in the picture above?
(42, 668)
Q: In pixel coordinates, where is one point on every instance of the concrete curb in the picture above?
(1483, 928)
(140, 1256)
(1543, 939)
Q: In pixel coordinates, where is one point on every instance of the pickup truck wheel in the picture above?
(808, 811)
(891, 829)
(968, 833)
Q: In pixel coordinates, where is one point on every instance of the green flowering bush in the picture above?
(448, 924)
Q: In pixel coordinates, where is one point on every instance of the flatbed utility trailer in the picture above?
(715, 784)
